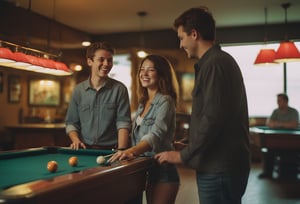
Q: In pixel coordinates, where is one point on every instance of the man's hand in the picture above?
(179, 145)
(77, 145)
(172, 157)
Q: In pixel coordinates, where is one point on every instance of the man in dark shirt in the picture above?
(218, 147)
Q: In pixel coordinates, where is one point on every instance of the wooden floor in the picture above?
(259, 191)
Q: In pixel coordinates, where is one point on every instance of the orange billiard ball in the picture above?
(52, 166)
(73, 161)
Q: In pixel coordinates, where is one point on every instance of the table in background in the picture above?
(283, 143)
(30, 135)
(25, 179)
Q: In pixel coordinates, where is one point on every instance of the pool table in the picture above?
(24, 177)
(280, 139)
(280, 150)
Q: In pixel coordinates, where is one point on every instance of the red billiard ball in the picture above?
(52, 166)
(73, 161)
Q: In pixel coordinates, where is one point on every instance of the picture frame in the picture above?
(14, 89)
(1, 82)
(44, 92)
(187, 85)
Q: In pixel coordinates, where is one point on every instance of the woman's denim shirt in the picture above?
(158, 125)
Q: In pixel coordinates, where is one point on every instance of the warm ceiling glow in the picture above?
(77, 67)
(142, 54)
(86, 43)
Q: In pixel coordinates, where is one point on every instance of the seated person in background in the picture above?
(283, 116)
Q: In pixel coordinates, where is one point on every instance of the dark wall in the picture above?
(22, 26)
(167, 39)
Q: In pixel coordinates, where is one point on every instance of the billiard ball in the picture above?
(73, 161)
(52, 166)
(100, 160)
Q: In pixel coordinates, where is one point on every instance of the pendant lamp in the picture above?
(141, 53)
(266, 55)
(287, 51)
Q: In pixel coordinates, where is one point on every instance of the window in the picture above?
(121, 70)
(263, 83)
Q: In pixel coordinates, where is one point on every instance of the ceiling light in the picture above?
(29, 59)
(86, 43)
(287, 50)
(141, 53)
(77, 67)
(265, 56)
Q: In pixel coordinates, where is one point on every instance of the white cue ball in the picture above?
(100, 160)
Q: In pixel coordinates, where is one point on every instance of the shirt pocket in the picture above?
(109, 112)
(149, 121)
(84, 112)
(146, 125)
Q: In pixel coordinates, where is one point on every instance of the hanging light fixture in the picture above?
(25, 58)
(266, 55)
(287, 51)
(141, 53)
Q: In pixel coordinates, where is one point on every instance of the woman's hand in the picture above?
(122, 155)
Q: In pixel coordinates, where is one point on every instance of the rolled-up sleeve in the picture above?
(123, 119)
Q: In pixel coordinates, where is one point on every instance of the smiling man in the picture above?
(218, 147)
(99, 111)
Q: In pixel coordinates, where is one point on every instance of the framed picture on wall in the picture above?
(1, 82)
(14, 89)
(187, 85)
(44, 92)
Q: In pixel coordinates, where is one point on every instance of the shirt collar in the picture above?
(108, 83)
(206, 56)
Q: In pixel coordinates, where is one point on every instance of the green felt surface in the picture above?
(267, 130)
(25, 166)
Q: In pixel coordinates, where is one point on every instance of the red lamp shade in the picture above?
(61, 66)
(51, 64)
(6, 56)
(33, 60)
(265, 56)
(44, 62)
(21, 60)
(287, 52)
(6, 53)
(20, 57)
